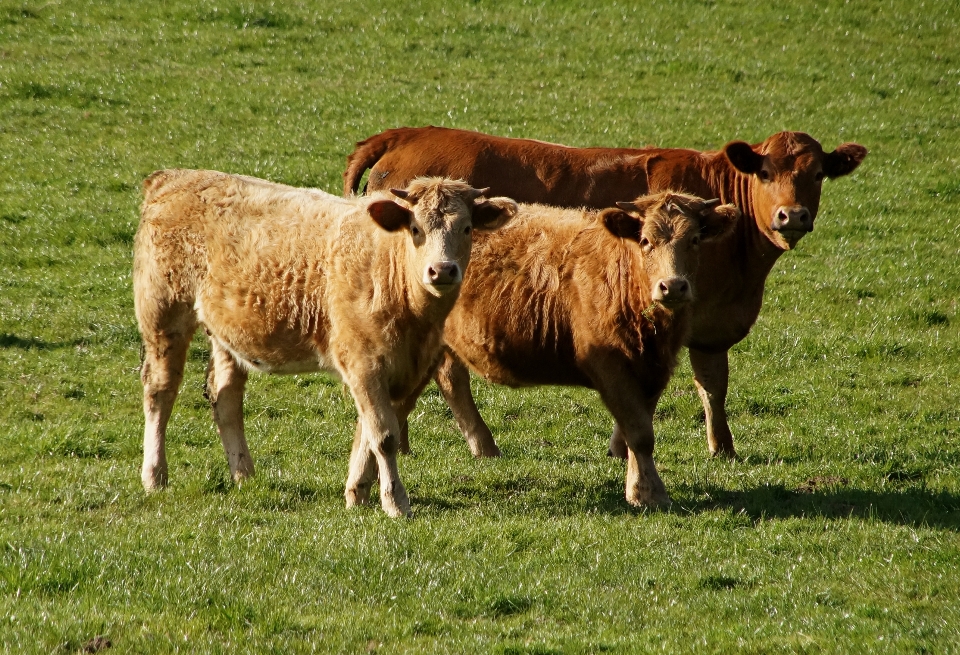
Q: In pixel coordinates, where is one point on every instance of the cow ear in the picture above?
(844, 160)
(717, 222)
(622, 224)
(493, 213)
(743, 157)
(389, 215)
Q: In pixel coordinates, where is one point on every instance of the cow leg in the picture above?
(226, 381)
(711, 373)
(453, 378)
(633, 412)
(165, 355)
(618, 445)
(362, 472)
(403, 410)
(380, 437)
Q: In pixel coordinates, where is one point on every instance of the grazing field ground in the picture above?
(837, 532)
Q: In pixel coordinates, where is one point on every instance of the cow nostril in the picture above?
(682, 287)
(432, 272)
(782, 215)
(663, 287)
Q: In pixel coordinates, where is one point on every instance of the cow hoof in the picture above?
(660, 501)
(726, 452)
(154, 480)
(357, 496)
(610, 453)
(395, 502)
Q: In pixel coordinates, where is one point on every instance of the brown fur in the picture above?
(562, 297)
(776, 184)
(289, 280)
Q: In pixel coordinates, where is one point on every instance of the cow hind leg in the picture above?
(711, 373)
(165, 356)
(453, 378)
(362, 472)
(618, 444)
(226, 381)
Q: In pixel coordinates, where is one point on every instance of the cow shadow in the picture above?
(913, 506)
(8, 340)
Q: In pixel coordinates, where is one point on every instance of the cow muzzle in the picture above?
(442, 277)
(672, 292)
(792, 222)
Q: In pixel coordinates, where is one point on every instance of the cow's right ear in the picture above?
(743, 157)
(493, 213)
(389, 215)
(622, 224)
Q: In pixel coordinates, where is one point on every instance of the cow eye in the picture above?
(695, 241)
(644, 242)
(467, 230)
(414, 230)
(764, 175)
(819, 176)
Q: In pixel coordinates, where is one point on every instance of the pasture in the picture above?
(838, 531)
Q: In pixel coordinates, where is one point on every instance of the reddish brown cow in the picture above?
(594, 299)
(776, 184)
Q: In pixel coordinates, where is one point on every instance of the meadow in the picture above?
(838, 531)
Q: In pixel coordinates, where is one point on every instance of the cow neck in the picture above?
(755, 253)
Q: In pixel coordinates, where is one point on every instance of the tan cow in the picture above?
(585, 298)
(288, 280)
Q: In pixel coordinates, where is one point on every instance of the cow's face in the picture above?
(439, 216)
(668, 228)
(787, 172)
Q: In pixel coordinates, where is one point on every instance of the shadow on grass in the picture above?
(914, 507)
(8, 340)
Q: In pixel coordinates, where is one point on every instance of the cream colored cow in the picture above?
(288, 280)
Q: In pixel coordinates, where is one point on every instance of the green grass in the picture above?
(838, 531)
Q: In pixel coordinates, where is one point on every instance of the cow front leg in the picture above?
(380, 438)
(165, 355)
(711, 373)
(633, 412)
(453, 378)
(226, 381)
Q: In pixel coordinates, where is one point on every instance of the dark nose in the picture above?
(795, 218)
(443, 273)
(673, 290)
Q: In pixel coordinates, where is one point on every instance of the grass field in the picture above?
(838, 532)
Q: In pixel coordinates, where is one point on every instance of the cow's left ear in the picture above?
(621, 223)
(844, 160)
(743, 157)
(389, 215)
(493, 213)
(718, 221)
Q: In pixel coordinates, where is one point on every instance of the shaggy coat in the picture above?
(585, 298)
(288, 280)
(776, 185)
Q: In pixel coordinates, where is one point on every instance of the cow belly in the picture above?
(522, 368)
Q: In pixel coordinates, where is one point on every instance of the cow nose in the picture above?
(795, 218)
(673, 291)
(443, 273)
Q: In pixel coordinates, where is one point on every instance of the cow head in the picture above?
(668, 228)
(439, 216)
(786, 174)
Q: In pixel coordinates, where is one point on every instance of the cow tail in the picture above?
(365, 156)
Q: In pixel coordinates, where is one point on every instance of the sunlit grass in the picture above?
(837, 532)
